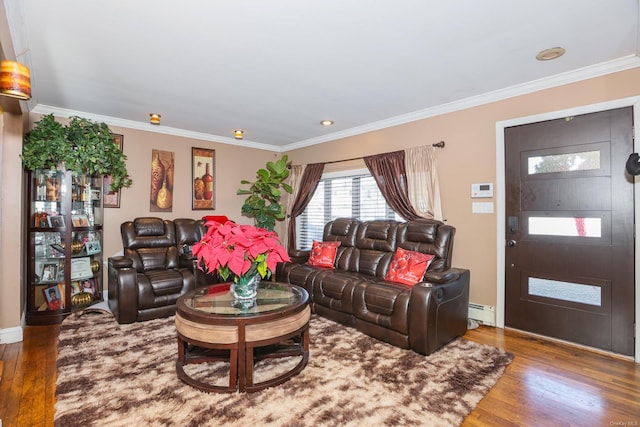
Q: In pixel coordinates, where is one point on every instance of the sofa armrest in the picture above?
(442, 276)
(438, 312)
(188, 261)
(299, 256)
(121, 262)
(123, 289)
(201, 277)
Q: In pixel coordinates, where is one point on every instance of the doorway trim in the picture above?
(634, 102)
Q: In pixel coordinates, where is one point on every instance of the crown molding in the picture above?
(148, 127)
(609, 67)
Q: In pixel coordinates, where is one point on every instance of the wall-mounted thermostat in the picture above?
(482, 190)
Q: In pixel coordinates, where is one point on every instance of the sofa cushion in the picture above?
(334, 289)
(408, 267)
(375, 245)
(323, 254)
(383, 304)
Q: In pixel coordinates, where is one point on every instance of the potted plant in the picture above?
(263, 203)
(246, 252)
(83, 146)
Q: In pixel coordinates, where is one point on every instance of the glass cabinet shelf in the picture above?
(64, 248)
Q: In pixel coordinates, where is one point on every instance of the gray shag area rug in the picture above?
(122, 375)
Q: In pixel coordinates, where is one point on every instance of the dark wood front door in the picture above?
(570, 225)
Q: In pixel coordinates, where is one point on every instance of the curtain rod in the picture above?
(437, 145)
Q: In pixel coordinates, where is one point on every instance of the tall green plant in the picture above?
(263, 203)
(83, 146)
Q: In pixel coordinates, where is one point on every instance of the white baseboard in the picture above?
(10, 335)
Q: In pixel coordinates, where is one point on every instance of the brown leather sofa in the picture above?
(422, 317)
(155, 269)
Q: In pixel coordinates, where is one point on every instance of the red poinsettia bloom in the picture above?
(236, 249)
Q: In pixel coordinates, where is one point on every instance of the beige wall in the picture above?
(232, 164)
(470, 157)
(11, 241)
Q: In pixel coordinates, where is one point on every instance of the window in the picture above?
(565, 226)
(338, 196)
(566, 291)
(587, 160)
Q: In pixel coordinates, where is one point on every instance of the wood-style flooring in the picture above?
(548, 383)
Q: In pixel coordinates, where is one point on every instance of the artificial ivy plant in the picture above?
(263, 203)
(83, 146)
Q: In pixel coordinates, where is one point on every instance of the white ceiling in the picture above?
(276, 68)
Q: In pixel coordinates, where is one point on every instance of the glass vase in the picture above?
(246, 288)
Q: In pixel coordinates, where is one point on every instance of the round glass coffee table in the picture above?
(212, 327)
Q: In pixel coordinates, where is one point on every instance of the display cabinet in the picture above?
(64, 244)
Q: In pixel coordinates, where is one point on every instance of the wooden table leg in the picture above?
(233, 368)
(249, 366)
(242, 357)
(181, 349)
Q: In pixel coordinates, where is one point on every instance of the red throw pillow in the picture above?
(323, 254)
(408, 267)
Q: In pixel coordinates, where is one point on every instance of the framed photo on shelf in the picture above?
(203, 179)
(80, 220)
(56, 221)
(47, 271)
(61, 273)
(75, 287)
(53, 295)
(89, 286)
(92, 247)
(111, 199)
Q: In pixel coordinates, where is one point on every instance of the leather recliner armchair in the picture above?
(146, 281)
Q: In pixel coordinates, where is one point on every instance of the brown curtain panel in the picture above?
(308, 183)
(389, 171)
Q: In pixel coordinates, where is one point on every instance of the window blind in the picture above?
(353, 196)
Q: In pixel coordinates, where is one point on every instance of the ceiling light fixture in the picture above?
(549, 54)
(15, 80)
(154, 118)
(238, 134)
(326, 122)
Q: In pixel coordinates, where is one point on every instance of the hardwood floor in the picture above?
(548, 383)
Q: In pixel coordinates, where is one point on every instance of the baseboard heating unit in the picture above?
(485, 314)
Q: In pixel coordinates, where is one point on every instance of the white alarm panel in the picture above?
(481, 190)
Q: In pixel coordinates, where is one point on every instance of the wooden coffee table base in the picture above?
(241, 346)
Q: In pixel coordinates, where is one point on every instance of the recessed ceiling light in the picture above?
(238, 134)
(549, 54)
(154, 118)
(326, 122)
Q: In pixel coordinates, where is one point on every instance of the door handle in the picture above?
(511, 243)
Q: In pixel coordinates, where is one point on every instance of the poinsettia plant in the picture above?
(238, 250)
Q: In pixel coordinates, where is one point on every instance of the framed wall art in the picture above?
(111, 199)
(203, 179)
(161, 192)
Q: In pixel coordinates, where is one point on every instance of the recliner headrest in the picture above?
(149, 226)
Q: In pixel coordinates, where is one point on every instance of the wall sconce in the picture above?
(238, 134)
(15, 80)
(154, 118)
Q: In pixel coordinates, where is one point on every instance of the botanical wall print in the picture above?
(111, 199)
(203, 170)
(161, 194)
